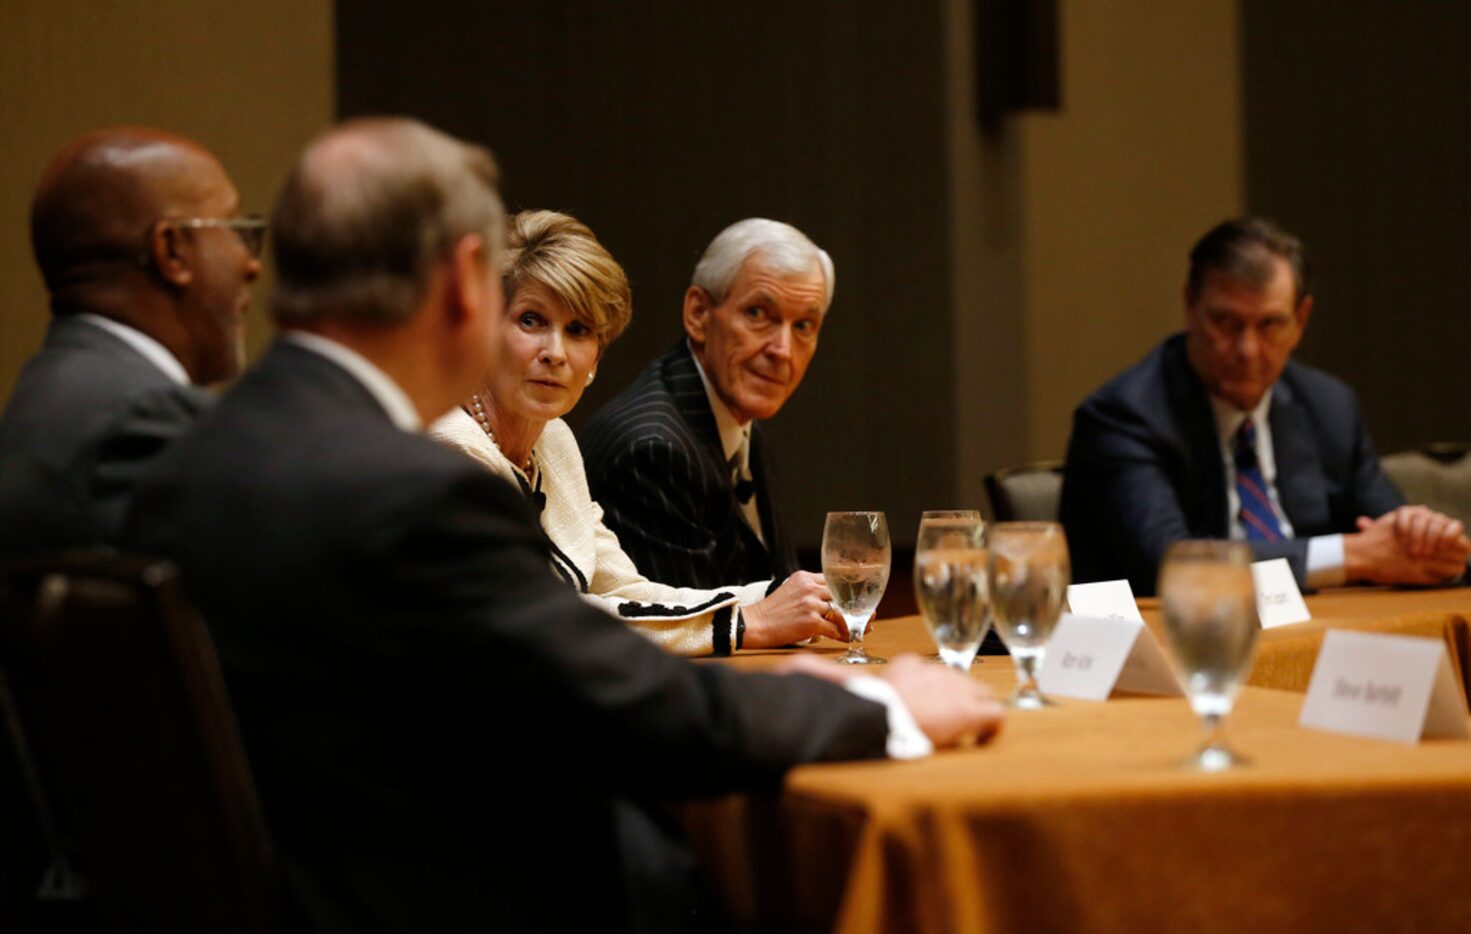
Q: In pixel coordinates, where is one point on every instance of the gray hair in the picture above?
(368, 210)
(782, 248)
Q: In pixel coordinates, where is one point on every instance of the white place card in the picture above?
(1091, 657)
(1388, 687)
(1278, 600)
(1108, 599)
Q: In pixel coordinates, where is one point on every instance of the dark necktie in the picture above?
(1258, 519)
(744, 487)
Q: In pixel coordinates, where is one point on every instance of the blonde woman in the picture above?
(566, 300)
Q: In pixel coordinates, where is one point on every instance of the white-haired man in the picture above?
(676, 459)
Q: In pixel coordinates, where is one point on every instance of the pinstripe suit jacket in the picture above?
(655, 464)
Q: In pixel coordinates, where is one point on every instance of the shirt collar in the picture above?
(395, 402)
(1229, 417)
(150, 349)
(734, 437)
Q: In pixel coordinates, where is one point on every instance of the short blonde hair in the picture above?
(560, 252)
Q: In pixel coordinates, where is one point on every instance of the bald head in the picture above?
(132, 224)
(368, 210)
(98, 198)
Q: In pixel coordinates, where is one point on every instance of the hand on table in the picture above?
(1408, 545)
(949, 707)
(1426, 533)
(799, 609)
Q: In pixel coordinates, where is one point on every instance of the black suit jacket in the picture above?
(86, 416)
(442, 732)
(1144, 467)
(656, 466)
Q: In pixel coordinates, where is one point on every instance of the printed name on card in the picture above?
(1388, 687)
(1278, 600)
(1109, 599)
(1091, 657)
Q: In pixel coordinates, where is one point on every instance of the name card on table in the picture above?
(1108, 599)
(1091, 657)
(1278, 600)
(1388, 687)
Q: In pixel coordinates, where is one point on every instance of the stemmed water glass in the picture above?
(1209, 602)
(950, 582)
(1029, 573)
(855, 562)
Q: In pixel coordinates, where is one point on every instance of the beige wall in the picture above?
(251, 81)
(1145, 156)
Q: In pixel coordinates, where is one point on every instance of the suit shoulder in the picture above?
(645, 415)
(1316, 386)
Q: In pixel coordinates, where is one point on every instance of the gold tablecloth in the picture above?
(1285, 655)
(1078, 818)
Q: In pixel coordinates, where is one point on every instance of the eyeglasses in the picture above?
(251, 229)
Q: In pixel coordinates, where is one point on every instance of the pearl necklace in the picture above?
(476, 410)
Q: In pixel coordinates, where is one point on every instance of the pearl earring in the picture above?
(591, 376)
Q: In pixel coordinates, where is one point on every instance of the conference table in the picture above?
(1080, 818)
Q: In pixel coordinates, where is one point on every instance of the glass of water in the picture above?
(1029, 572)
(855, 562)
(950, 582)
(1209, 602)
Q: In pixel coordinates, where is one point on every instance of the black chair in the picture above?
(124, 725)
(1031, 493)
(1436, 475)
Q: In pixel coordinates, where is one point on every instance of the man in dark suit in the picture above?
(1217, 433)
(146, 298)
(148, 295)
(677, 459)
(444, 736)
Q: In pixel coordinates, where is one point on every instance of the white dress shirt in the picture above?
(1325, 565)
(149, 348)
(735, 443)
(395, 402)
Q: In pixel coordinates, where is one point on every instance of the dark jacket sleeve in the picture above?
(656, 723)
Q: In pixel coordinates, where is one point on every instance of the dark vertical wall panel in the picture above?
(1358, 138)
(658, 123)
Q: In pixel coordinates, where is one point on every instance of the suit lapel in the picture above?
(1201, 446)
(779, 550)
(688, 391)
(1300, 482)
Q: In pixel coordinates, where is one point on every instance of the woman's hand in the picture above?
(799, 609)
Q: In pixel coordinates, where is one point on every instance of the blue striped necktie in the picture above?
(1258, 519)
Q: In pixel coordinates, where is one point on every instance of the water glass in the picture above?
(1029, 572)
(855, 561)
(950, 583)
(1209, 602)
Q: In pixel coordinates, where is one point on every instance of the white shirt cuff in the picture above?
(735, 625)
(1325, 562)
(906, 739)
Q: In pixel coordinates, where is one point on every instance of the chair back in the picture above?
(1437, 475)
(1030, 493)
(115, 687)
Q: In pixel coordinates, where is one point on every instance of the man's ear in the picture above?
(1304, 311)
(697, 307)
(165, 250)
(468, 292)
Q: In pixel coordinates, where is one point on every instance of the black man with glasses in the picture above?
(148, 266)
